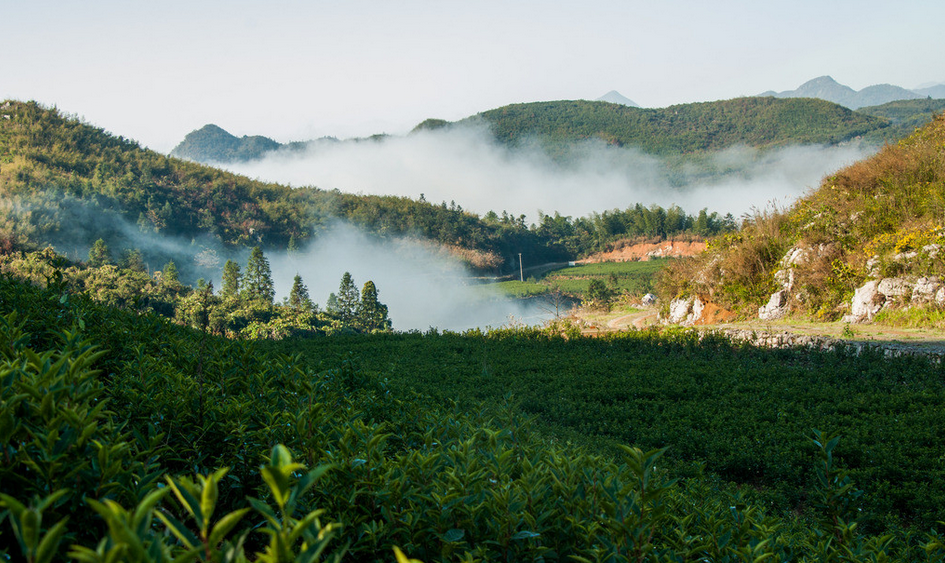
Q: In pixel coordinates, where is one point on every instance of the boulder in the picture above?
(697, 311)
(776, 307)
(679, 310)
(925, 290)
(867, 301)
(891, 288)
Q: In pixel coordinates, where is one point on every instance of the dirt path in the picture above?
(639, 319)
(909, 340)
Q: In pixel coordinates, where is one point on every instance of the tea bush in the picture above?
(127, 438)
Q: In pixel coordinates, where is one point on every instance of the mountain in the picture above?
(679, 129)
(65, 183)
(211, 143)
(868, 241)
(931, 91)
(615, 97)
(826, 88)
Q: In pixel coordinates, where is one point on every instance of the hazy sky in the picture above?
(295, 70)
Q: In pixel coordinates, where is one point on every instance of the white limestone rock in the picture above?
(867, 301)
(893, 288)
(925, 290)
(776, 307)
(679, 310)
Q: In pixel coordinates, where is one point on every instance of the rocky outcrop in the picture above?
(779, 304)
(867, 301)
(697, 311)
(776, 307)
(684, 311)
(876, 295)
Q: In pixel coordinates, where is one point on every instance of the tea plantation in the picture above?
(124, 437)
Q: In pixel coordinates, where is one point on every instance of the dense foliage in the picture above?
(244, 308)
(128, 438)
(905, 116)
(757, 122)
(742, 411)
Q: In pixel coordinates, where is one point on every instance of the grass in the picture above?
(632, 278)
(913, 317)
(520, 289)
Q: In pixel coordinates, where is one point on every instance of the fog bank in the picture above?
(421, 289)
(465, 165)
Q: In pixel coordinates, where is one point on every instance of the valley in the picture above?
(164, 393)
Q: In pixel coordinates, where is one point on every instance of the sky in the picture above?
(297, 70)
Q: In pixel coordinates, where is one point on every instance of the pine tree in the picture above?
(347, 300)
(372, 314)
(231, 280)
(258, 284)
(99, 255)
(298, 296)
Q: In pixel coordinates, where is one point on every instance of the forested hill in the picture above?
(685, 128)
(211, 143)
(904, 117)
(66, 183)
(676, 130)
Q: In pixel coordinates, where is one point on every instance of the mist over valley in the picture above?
(466, 166)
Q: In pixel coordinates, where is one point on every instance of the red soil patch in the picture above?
(713, 314)
(647, 250)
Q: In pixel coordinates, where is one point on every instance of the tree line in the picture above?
(245, 306)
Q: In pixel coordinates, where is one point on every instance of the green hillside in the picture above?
(685, 128)
(66, 183)
(878, 219)
(905, 116)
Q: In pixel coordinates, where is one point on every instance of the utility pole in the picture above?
(521, 272)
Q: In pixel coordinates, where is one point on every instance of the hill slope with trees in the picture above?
(868, 242)
(69, 184)
(685, 128)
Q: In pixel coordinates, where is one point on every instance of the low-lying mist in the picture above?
(421, 289)
(465, 165)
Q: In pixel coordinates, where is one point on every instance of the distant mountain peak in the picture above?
(616, 97)
(826, 88)
(212, 143)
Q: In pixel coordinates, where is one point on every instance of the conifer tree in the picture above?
(298, 296)
(258, 284)
(347, 300)
(372, 314)
(231, 280)
(99, 255)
